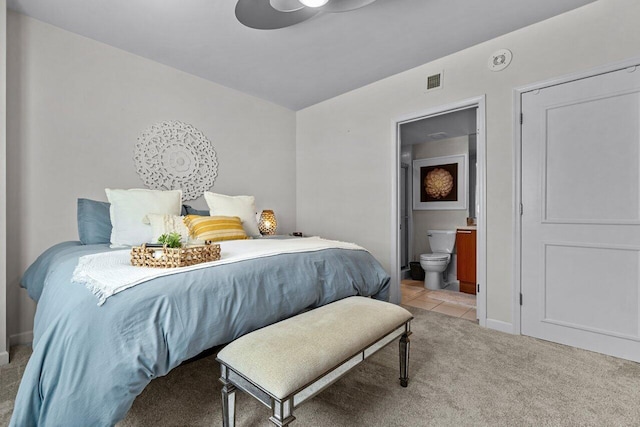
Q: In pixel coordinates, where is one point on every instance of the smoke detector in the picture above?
(500, 59)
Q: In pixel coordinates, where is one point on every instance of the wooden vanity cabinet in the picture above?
(466, 262)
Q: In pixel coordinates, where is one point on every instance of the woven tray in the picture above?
(141, 256)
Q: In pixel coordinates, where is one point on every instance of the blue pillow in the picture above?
(188, 210)
(94, 222)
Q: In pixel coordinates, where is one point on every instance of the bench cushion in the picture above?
(286, 356)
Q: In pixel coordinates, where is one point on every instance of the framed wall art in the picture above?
(441, 183)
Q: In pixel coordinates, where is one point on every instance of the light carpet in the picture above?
(461, 375)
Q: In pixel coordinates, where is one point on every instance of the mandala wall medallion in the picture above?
(173, 155)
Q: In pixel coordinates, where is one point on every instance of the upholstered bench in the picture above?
(286, 363)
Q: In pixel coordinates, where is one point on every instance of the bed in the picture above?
(89, 362)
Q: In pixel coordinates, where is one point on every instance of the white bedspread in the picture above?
(108, 273)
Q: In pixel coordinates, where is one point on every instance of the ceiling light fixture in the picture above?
(286, 5)
(273, 14)
(314, 3)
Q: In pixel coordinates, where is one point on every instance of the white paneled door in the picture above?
(581, 213)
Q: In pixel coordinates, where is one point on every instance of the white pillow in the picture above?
(243, 207)
(165, 224)
(130, 207)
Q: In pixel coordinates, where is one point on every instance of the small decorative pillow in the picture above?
(215, 228)
(188, 210)
(94, 222)
(129, 207)
(165, 224)
(243, 207)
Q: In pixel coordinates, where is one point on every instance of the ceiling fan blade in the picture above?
(260, 15)
(286, 5)
(335, 6)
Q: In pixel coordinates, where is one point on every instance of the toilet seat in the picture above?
(435, 257)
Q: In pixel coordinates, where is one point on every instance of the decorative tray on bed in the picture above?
(143, 256)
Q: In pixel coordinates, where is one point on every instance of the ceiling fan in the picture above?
(273, 14)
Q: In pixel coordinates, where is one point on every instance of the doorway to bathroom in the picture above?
(440, 228)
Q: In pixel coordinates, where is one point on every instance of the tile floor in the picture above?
(415, 295)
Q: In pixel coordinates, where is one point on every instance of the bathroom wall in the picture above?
(473, 179)
(406, 154)
(436, 220)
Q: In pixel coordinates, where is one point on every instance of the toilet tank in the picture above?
(442, 241)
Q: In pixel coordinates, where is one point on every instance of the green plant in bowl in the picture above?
(172, 240)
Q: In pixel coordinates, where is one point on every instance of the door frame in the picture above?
(517, 170)
(478, 102)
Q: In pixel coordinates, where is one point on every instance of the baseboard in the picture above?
(4, 358)
(501, 326)
(21, 338)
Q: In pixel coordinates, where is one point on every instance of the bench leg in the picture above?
(282, 412)
(404, 360)
(228, 405)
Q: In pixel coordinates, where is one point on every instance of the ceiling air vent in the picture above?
(434, 82)
(437, 135)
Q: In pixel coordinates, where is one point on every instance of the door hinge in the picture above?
(477, 288)
(520, 298)
(521, 209)
(521, 118)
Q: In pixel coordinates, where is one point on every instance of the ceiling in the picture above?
(296, 66)
(438, 128)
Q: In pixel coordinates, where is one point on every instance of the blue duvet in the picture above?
(89, 362)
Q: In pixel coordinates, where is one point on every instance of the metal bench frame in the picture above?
(282, 409)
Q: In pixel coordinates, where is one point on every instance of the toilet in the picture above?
(434, 264)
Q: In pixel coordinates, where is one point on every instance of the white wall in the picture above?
(4, 347)
(435, 219)
(76, 107)
(344, 145)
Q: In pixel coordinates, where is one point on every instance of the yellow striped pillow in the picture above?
(215, 228)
